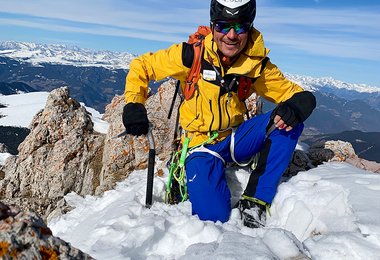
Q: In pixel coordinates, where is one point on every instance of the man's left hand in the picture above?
(285, 117)
(293, 111)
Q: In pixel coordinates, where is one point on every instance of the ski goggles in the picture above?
(224, 27)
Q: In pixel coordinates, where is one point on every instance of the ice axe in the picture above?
(151, 162)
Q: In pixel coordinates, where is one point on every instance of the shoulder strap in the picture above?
(194, 74)
(197, 41)
(198, 46)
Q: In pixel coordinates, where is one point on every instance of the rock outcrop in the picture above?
(333, 151)
(61, 154)
(24, 235)
(329, 151)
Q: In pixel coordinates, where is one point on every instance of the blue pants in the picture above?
(206, 182)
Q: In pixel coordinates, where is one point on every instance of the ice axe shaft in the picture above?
(151, 162)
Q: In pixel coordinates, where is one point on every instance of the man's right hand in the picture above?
(135, 119)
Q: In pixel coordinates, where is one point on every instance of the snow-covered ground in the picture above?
(330, 212)
(21, 108)
(3, 157)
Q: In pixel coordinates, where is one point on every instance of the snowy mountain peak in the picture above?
(311, 83)
(64, 54)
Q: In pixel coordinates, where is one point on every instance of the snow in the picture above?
(38, 54)
(21, 108)
(320, 84)
(3, 157)
(330, 212)
(100, 125)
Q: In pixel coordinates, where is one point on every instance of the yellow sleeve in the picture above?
(274, 86)
(153, 66)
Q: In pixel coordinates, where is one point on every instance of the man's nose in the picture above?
(232, 34)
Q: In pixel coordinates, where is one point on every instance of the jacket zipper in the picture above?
(212, 120)
(196, 110)
(228, 114)
(220, 114)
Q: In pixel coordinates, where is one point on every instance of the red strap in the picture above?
(194, 74)
(244, 86)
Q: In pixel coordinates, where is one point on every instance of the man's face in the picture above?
(230, 37)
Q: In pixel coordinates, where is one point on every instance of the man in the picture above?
(234, 57)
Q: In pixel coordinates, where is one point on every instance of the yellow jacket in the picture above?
(212, 108)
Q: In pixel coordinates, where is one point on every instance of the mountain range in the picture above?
(15, 88)
(95, 77)
(95, 86)
(348, 91)
(38, 54)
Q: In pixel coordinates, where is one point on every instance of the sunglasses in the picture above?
(225, 27)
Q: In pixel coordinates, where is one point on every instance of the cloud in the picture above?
(98, 30)
(120, 14)
(334, 32)
(344, 33)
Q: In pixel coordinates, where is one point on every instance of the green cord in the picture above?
(177, 166)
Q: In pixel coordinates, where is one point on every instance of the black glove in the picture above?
(135, 119)
(296, 109)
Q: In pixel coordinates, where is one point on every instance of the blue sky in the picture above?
(319, 38)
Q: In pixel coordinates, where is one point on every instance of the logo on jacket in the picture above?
(209, 75)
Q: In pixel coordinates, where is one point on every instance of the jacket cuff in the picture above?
(134, 99)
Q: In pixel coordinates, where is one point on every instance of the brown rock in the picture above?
(24, 235)
(58, 156)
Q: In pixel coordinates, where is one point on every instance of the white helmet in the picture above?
(244, 10)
